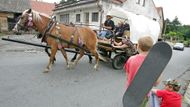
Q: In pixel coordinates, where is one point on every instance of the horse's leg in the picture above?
(96, 55)
(90, 59)
(65, 56)
(51, 59)
(74, 58)
(79, 57)
(46, 50)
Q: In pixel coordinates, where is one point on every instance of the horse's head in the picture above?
(25, 21)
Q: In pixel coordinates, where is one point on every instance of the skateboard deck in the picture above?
(150, 70)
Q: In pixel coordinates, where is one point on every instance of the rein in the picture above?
(50, 26)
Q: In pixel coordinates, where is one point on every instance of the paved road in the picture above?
(24, 84)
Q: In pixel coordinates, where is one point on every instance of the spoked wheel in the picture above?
(119, 61)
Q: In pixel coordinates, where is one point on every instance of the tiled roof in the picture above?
(15, 6)
(82, 2)
(68, 5)
(43, 7)
(159, 9)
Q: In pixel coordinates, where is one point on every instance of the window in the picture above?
(141, 2)
(64, 18)
(77, 17)
(95, 17)
(138, 1)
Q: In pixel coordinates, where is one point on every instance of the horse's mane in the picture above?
(37, 17)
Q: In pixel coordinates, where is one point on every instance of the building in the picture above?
(93, 12)
(161, 21)
(142, 7)
(10, 10)
(87, 12)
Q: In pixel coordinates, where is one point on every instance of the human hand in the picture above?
(112, 45)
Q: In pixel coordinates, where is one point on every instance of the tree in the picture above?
(168, 25)
(172, 35)
(63, 1)
(172, 25)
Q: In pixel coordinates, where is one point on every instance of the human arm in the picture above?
(117, 43)
(154, 91)
(107, 27)
(159, 93)
(120, 46)
(109, 24)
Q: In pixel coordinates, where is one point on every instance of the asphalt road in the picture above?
(22, 83)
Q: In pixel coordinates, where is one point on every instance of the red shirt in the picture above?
(169, 98)
(132, 65)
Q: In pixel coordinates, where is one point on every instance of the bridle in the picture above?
(27, 23)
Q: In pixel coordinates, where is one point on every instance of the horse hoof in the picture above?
(72, 60)
(96, 67)
(68, 67)
(72, 66)
(46, 70)
(90, 61)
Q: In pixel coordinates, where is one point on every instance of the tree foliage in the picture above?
(175, 29)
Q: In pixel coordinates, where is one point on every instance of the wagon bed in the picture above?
(108, 53)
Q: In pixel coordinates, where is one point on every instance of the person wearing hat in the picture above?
(108, 26)
(169, 96)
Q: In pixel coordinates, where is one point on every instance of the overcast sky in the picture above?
(172, 8)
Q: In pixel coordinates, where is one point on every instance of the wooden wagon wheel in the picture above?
(119, 61)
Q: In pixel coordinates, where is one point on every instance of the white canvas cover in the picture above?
(139, 24)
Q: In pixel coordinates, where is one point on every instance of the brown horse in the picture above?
(80, 36)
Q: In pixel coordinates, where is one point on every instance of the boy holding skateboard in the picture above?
(144, 69)
(134, 62)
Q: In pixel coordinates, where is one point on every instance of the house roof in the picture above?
(15, 6)
(68, 5)
(42, 7)
(160, 11)
(82, 2)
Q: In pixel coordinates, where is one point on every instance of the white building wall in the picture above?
(147, 10)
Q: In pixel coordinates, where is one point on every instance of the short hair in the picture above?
(173, 84)
(145, 43)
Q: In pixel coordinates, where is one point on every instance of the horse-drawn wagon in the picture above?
(117, 56)
(60, 36)
(139, 26)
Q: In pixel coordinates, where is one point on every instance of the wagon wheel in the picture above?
(119, 61)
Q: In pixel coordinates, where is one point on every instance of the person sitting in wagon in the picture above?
(109, 27)
(119, 29)
(126, 45)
